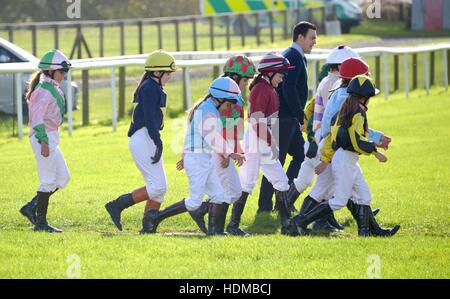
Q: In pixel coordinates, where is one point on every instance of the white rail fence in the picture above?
(190, 60)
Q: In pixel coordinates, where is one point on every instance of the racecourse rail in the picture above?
(195, 59)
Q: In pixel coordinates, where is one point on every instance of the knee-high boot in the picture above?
(41, 213)
(236, 213)
(152, 218)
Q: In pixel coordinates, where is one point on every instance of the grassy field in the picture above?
(411, 189)
(384, 28)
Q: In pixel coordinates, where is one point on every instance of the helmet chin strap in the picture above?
(220, 104)
(159, 78)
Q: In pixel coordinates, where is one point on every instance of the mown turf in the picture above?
(411, 189)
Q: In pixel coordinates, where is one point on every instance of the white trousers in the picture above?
(260, 159)
(203, 179)
(52, 171)
(324, 187)
(143, 149)
(229, 179)
(307, 170)
(348, 180)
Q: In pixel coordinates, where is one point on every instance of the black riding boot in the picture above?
(376, 230)
(281, 198)
(152, 218)
(29, 210)
(199, 214)
(41, 214)
(333, 221)
(213, 219)
(236, 213)
(292, 197)
(301, 221)
(353, 208)
(222, 218)
(363, 221)
(115, 208)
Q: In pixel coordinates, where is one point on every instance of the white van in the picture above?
(10, 53)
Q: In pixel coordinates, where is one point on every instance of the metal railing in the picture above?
(215, 60)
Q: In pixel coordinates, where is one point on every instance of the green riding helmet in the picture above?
(240, 65)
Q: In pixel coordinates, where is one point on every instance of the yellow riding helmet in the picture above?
(160, 60)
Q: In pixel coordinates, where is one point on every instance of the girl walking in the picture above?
(347, 140)
(46, 107)
(240, 69)
(145, 141)
(203, 139)
(260, 144)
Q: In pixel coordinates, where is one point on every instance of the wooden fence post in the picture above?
(396, 72)
(258, 29)
(322, 22)
(11, 35)
(194, 33)
(177, 35)
(141, 42)
(271, 26)
(211, 31)
(241, 25)
(56, 36)
(160, 39)
(122, 39)
(432, 64)
(33, 39)
(448, 66)
(102, 39)
(122, 92)
(414, 67)
(228, 21)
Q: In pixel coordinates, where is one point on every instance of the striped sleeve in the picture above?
(357, 136)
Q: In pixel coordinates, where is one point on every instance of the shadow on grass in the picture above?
(264, 223)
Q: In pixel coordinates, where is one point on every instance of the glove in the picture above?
(158, 154)
(312, 150)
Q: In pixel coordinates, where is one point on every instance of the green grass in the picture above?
(411, 189)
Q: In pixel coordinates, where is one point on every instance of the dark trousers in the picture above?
(290, 142)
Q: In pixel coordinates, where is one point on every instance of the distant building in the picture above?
(430, 15)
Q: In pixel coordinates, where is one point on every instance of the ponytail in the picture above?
(144, 77)
(255, 81)
(195, 107)
(34, 80)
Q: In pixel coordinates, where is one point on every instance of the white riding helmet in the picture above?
(341, 53)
